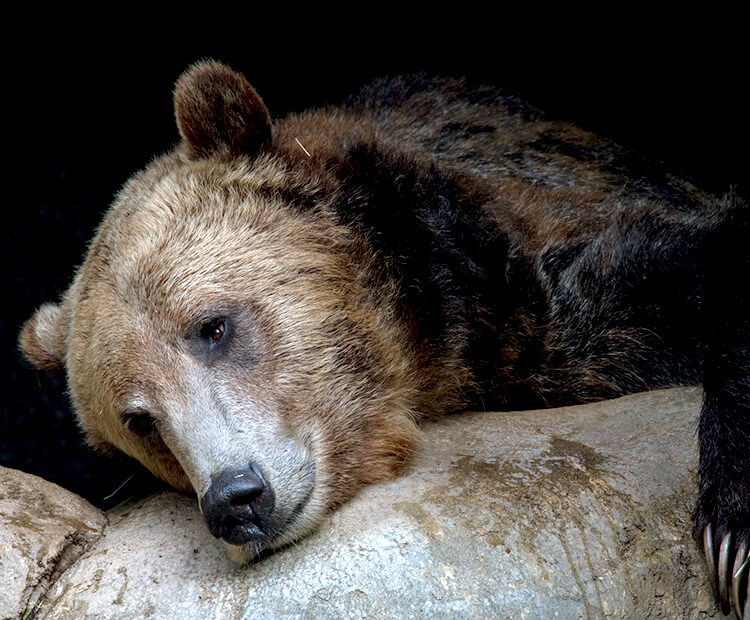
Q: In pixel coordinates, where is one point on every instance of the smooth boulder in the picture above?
(572, 512)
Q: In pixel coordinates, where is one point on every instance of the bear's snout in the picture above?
(238, 506)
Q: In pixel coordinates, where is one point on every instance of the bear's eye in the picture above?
(213, 331)
(142, 424)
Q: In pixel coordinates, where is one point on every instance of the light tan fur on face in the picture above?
(329, 368)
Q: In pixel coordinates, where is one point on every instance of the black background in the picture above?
(82, 113)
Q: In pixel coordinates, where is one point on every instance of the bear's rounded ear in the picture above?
(42, 340)
(219, 113)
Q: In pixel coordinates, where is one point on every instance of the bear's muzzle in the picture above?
(238, 506)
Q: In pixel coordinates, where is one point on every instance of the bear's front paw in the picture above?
(728, 558)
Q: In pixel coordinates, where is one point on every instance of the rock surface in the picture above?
(44, 529)
(579, 512)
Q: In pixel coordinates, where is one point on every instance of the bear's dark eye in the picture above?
(213, 331)
(142, 424)
(209, 339)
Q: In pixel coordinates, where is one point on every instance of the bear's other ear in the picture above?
(42, 340)
(219, 113)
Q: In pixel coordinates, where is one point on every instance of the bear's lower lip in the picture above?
(240, 535)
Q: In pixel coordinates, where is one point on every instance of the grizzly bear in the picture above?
(266, 312)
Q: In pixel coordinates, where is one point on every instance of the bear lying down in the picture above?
(266, 312)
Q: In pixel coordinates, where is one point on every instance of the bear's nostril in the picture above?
(238, 506)
(242, 503)
(227, 522)
(242, 509)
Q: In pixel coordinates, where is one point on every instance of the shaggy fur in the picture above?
(297, 294)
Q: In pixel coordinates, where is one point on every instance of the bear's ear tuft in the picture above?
(42, 340)
(218, 113)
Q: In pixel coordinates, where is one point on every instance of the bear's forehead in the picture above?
(193, 247)
(175, 198)
(192, 227)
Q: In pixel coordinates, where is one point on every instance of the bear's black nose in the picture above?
(238, 506)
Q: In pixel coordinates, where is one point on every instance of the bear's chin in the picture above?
(243, 554)
(252, 551)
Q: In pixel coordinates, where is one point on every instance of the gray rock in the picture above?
(44, 529)
(573, 512)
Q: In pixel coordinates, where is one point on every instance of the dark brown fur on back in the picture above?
(519, 243)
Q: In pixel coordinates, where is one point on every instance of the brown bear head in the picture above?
(227, 333)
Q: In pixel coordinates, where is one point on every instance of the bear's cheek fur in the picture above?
(102, 385)
(346, 401)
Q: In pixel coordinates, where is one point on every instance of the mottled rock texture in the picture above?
(572, 512)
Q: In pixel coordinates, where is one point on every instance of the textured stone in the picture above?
(43, 531)
(573, 512)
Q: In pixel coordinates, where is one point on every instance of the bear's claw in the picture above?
(722, 580)
(740, 564)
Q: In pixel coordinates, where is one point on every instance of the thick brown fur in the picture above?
(298, 294)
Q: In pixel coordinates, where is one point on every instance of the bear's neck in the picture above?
(431, 236)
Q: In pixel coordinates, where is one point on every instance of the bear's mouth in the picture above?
(294, 515)
(243, 510)
(239, 532)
